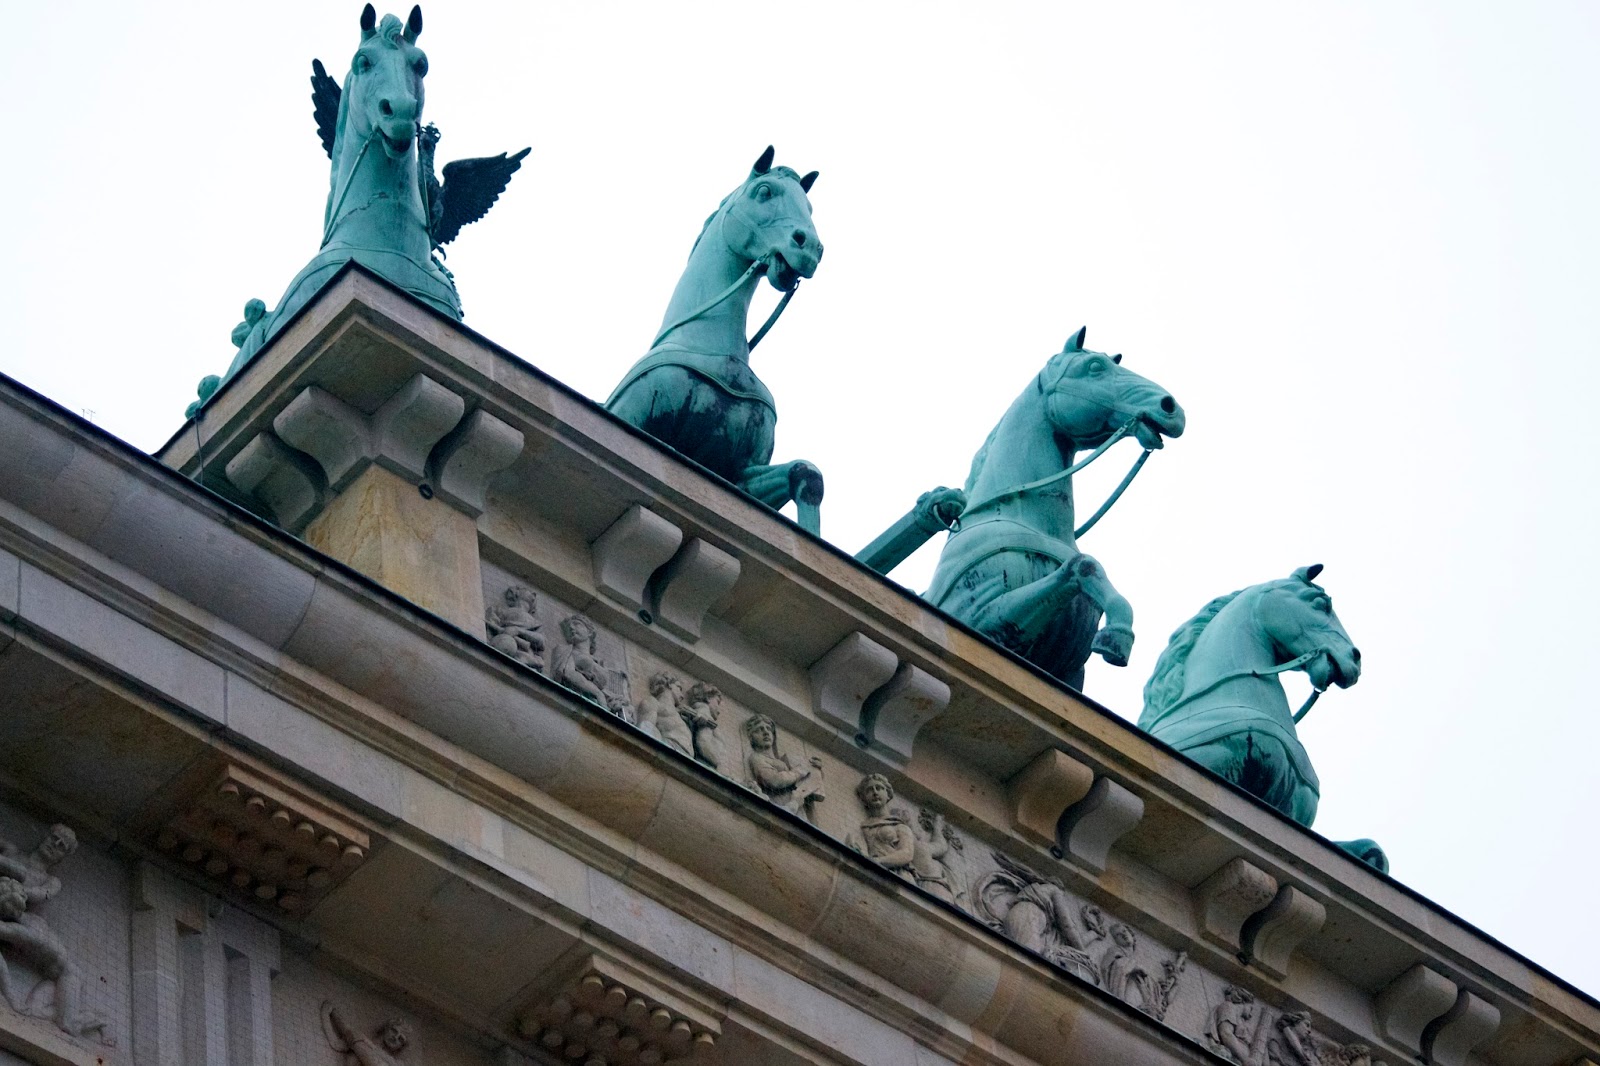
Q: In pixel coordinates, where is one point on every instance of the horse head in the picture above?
(1089, 396)
(768, 220)
(383, 92)
(1298, 617)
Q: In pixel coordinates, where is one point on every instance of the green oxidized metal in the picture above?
(694, 389)
(1216, 694)
(386, 209)
(1012, 569)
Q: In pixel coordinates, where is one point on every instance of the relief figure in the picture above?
(577, 665)
(514, 627)
(792, 783)
(26, 882)
(703, 710)
(1038, 914)
(887, 836)
(661, 712)
(382, 1048)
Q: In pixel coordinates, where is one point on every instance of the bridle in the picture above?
(1116, 494)
(756, 268)
(1282, 668)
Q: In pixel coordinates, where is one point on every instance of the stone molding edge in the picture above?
(599, 717)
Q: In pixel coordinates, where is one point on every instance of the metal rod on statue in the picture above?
(1305, 708)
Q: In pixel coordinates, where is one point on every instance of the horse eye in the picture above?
(421, 66)
(361, 63)
(1324, 605)
(763, 192)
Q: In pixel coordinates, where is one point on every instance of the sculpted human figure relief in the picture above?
(576, 664)
(27, 881)
(514, 626)
(702, 709)
(694, 389)
(1038, 914)
(662, 711)
(386, 210)
(1012, 569)
(382, 1048)
(1216, 696)
(888, 838)
(792, 783)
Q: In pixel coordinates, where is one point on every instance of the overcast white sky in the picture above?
(1357, 242)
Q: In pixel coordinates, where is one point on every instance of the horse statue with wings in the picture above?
(386, 208)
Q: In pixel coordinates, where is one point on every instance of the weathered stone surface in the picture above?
(631, 549)
(1468, 1024)
(419, 548)
(1039, 794)
(894, 714)
(1091, 826)
(1226, 900)
(1411, 1003)
(694, 581)
(841, 680)
(1272, 936)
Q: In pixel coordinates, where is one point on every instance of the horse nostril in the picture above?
(1168, 404)
(799, 238)
(385, 109)
(1355, 655)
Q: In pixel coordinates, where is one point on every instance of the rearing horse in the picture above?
(1012, 569)
(385, 208)
(1216, 696)
(694, 390)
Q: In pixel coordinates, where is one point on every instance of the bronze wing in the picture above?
(471, 186)
(325, 93)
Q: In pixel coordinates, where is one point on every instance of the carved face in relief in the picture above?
(60, 842)
(874, 792)
(395, 1035)
(762, 733)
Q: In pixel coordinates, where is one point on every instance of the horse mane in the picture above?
(781, 171)
(1166, 683)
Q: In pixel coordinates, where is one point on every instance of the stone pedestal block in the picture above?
(418, 547)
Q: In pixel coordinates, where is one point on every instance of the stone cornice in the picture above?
(296, 602)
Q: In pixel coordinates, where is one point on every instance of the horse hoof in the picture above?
(1113, 645)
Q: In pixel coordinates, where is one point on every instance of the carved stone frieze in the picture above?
(383, 1047)
(28, 882)
(254, 835)
(1055, 801)
(609, 1014)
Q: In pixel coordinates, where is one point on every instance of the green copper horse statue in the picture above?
(386, 209)
(1216, 696)
(1011, 568)
(694, 390)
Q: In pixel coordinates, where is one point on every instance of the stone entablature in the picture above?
(514, 825)
(611, 529)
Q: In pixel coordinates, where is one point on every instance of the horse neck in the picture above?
(375, 202)
(1234, 643)
(1025, 448)
(720, 330)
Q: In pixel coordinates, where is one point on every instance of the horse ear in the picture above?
(808, 181)
(414, 25)
(369, 21)
(764, 164)
(1117, 358)
(1075, 342)
(1308, 574)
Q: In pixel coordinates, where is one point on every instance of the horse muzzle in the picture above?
(786, 268)
(1333, 668)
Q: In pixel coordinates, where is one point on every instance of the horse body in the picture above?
(1216, 696)
(1013, 570)
(694, 390)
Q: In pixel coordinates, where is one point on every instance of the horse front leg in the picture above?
(1019, 619)
(779, 483)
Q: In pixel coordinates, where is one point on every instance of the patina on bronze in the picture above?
(386, 209)
(1012, 569)
(694, 390)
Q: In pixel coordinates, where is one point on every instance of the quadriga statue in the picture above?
(1216, 695)
(386, 209)
(1011, 568)
(694, 390)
